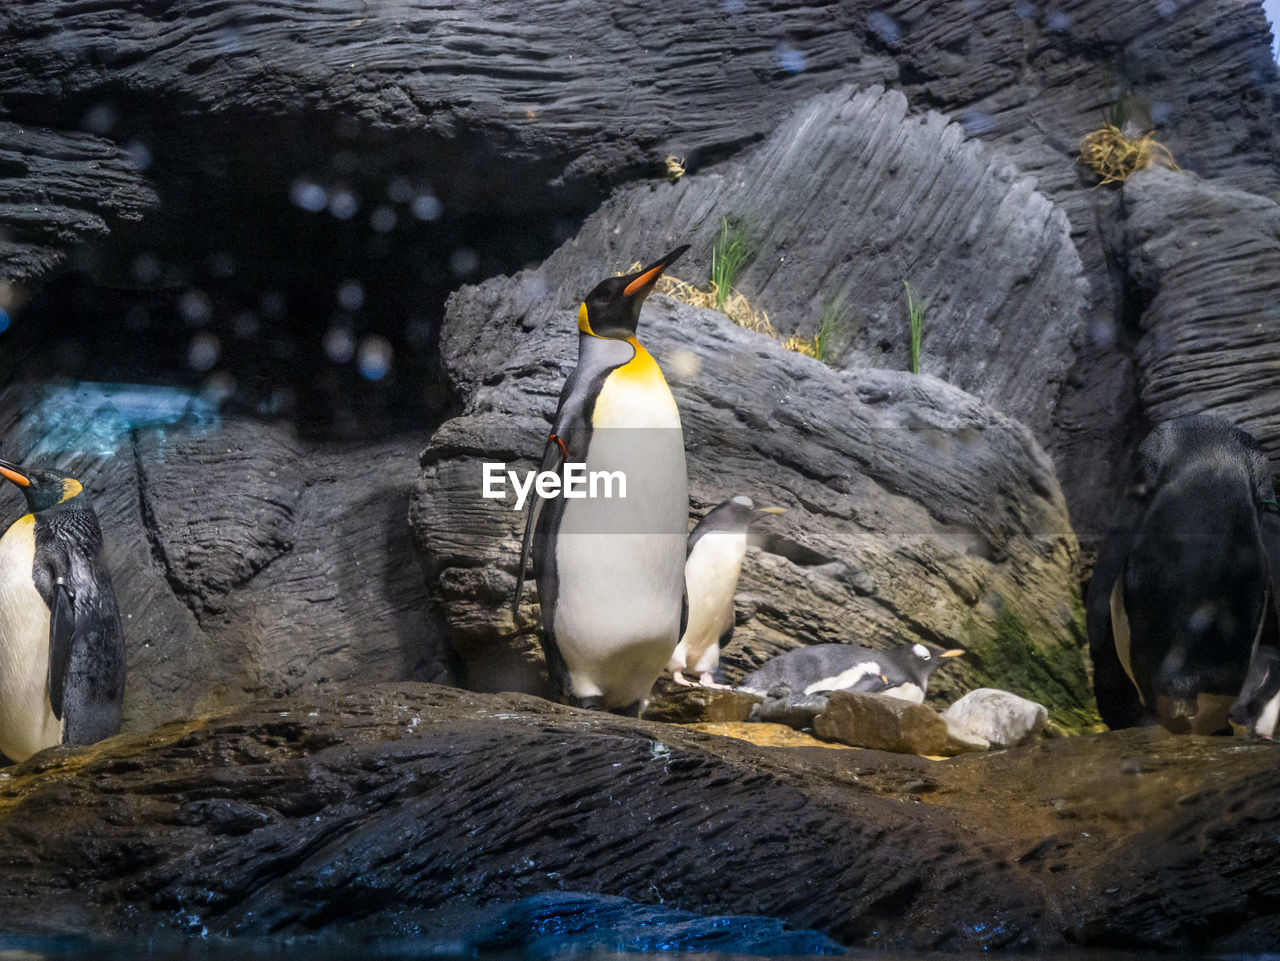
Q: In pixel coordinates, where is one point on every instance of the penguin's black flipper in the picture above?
(552, 458)
(1118, 701)
(62, 634)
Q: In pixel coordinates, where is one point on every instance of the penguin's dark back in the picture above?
(69, 539)
(1196, 572)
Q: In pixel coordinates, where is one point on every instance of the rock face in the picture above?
(997, 717)
(881, 723)
(914, 511)
(1203, 258)
(245, 561)
(852, 196)
(371, 810)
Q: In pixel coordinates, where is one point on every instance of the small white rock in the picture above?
(1000, 717)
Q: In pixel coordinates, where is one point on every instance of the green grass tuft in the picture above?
(732, 249)
(833, 318)
(915, 317)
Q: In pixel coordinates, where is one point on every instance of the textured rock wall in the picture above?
(245, 562)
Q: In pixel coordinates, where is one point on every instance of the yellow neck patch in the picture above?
(642, 367)
(584, 323)
(70, 488)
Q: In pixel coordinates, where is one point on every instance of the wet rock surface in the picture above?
(881, 723)
(370, 809)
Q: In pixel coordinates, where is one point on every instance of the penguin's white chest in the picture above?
(711, 575)
(27, 723)
(620, 560)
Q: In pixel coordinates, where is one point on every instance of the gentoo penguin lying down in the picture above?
(902, 672)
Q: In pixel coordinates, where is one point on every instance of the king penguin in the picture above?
(610, 570)
(61, 646)
(903, 672)
(1185, 580)
(717, 546)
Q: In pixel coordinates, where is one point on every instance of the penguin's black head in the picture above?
(42, 488)
(919, 661)
(612, 309)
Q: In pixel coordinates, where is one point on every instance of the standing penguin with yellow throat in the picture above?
(61, 645)
(610, 570)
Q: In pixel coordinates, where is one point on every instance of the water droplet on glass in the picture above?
(463, 262)
(228, 40)
(245, 325)
(273, 304)
(218, 387)
(374, 358)
(351, 295)
(427, 207)
(977, 122)
(1058, 21)
(203, 351)
(145, 268)
(195, 308)
(137, 154)
(788, 58)
(100, 119)
(884, 27)
(222, 264)
(383, 220)
(339, 345)
(343, 204)
(308, 195)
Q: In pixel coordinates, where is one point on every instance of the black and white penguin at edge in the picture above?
(610, 572)
(717, 547)
(62, 657)
(1184, 592)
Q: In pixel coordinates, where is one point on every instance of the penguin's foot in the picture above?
(590, 703)
(709, 680)
(681, 679)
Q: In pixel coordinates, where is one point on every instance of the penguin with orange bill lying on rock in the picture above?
(903, 672)
(1184, 587)
(610, 571)
(717, 546)
(61, 645)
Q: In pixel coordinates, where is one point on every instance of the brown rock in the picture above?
(881, 723)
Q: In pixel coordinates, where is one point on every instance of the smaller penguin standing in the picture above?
(1257, 709)
(820, 668)
(717, 546)
(61, 646)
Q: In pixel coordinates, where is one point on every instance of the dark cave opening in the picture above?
(296, 266)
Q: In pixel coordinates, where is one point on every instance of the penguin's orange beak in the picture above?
(14, 473)
(954, 652)
(643, 282)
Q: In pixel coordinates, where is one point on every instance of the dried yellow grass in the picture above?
(1114, 157)
(736, 307)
